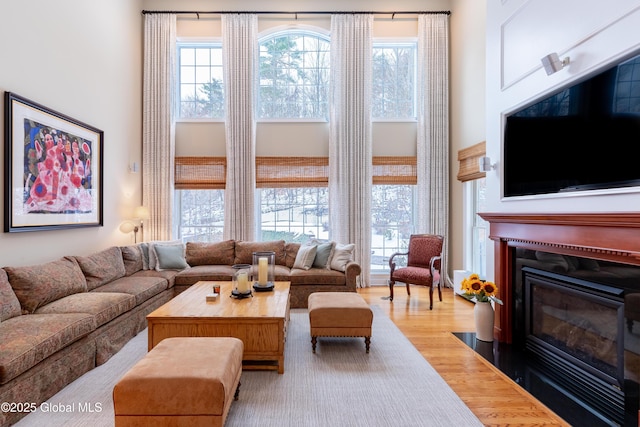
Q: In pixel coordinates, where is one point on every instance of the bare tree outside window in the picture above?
(394, 71)
(392, 219)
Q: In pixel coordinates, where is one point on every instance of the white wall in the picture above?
(468, 112)
(520, 32)
(592, 33)
(83, 59)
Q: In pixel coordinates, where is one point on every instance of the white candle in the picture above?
(243, 283)
(263, 268)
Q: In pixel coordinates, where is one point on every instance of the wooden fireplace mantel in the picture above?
(603, 236)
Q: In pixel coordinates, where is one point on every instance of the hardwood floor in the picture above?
(492, 396)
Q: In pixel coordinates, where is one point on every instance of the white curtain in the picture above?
(239, 56)
(350, 148)
(433, 128)
(158, 129)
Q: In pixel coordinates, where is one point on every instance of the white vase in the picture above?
(484, 317)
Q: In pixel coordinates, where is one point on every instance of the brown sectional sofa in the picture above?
(60, 319)
(213, 261)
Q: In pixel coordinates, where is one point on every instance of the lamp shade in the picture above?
(141, 212)
(127, 227)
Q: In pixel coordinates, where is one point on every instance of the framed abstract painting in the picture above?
(53, 169)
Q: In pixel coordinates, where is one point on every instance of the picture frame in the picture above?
(53, 169)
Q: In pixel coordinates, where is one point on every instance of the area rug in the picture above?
(339, 385)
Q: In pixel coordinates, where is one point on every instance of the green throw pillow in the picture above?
(323, 255)
(170, 257)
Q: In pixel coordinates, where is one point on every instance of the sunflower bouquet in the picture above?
(481, 290)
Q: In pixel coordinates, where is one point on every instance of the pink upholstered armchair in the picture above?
(423, 265)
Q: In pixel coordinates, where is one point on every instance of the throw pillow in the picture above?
(152, 254)
(9, 304)
(304, 258)
(144, 250)
(102, 267)
(324, 254)
(38, 285)
(291, 250)
(342, 255)
(170, 257)
(132, 258)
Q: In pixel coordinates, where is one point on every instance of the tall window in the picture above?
(201, 90)
(393, 203)
(294, 214)
(294, 198)
(392, 212)
(199, 215)
(394, 76)
(199, 198)
(480, 229)
(294, 76)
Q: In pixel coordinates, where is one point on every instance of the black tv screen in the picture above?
(584, 137)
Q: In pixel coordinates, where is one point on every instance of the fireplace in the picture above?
(569, 283)
(574, 329)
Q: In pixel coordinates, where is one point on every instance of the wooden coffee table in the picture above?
(259, 321)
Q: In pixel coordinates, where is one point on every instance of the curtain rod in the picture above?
(307, 12)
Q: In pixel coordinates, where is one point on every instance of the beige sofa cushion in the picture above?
(9, 304)
(104, 306)
(143, 288)
(102, 267)
(204, 253)
(245, 250)
(41, 284)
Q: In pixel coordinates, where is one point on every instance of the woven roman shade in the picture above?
(209, 173)
(468, 162)
(395, 170)
(200, 173)
(273, 172)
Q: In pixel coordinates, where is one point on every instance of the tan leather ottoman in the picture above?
(181, 381)
(339, 314)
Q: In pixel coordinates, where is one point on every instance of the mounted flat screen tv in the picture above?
(583, 137)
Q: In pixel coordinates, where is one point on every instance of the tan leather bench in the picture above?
(339, 314)
(181, 381)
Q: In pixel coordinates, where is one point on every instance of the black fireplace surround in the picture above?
(574, 319)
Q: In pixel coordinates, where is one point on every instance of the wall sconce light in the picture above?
(128, 227)
(485, 164)
(141, 213)
(553, 64)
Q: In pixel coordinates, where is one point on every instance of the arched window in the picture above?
(294, 76)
